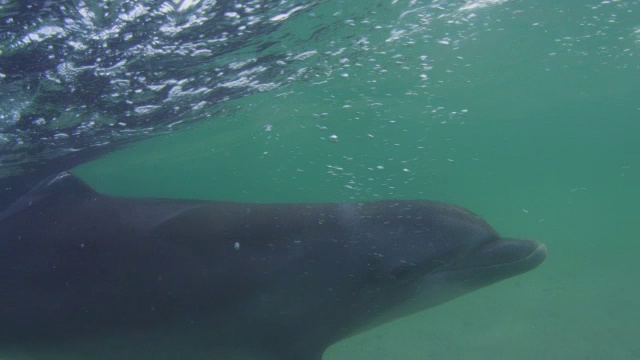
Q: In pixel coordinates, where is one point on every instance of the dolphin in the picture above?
(171, 278)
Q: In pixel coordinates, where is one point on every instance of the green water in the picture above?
(531, 118)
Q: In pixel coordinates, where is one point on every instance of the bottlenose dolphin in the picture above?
(171, 279)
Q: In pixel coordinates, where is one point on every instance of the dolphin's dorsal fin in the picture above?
(62, 183)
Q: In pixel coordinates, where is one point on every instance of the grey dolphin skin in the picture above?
(180, 279)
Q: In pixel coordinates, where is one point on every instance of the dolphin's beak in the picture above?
(500, 259)
(522, 254)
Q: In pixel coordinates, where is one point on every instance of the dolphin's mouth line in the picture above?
(540, 250)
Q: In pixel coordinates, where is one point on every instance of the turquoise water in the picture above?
(527, 113)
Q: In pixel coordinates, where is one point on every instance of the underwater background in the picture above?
(525, 112)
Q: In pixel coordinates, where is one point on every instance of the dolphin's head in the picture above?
(427, 253)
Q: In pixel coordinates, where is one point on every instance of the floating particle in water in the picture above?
(577, 189)
(268, 127)
(236, 245)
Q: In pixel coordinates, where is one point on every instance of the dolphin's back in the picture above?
(79, 261)
(82, 264)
